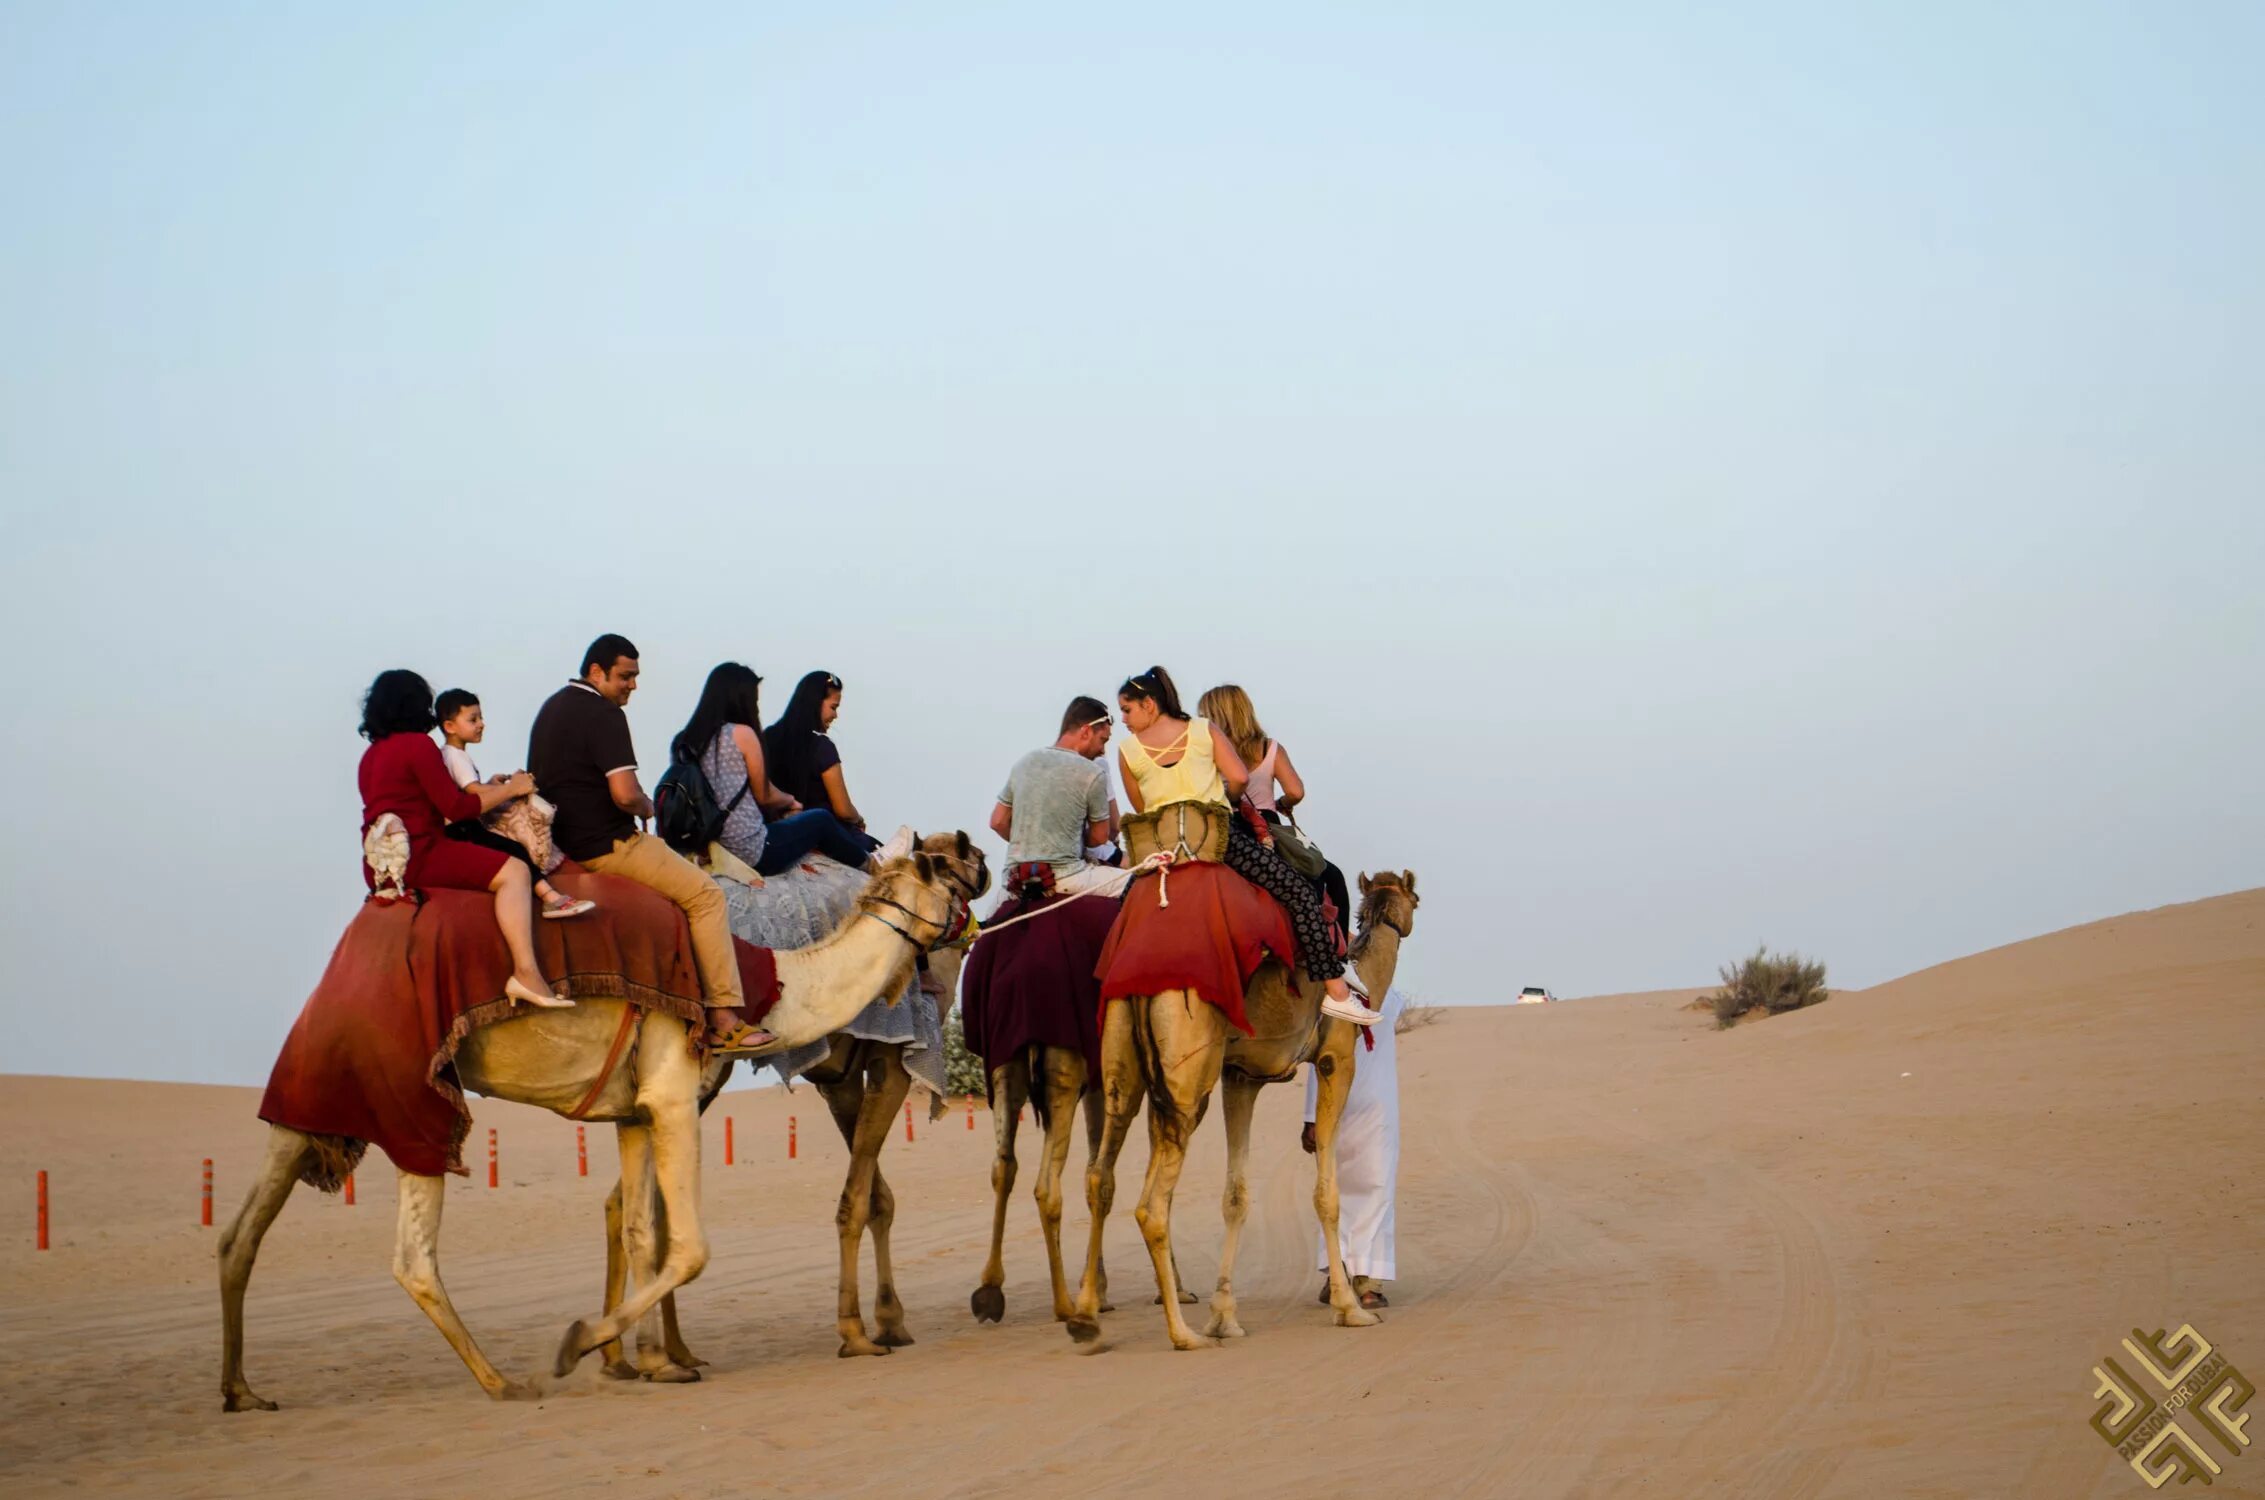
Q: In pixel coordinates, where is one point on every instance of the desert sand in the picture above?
(1870, 1249)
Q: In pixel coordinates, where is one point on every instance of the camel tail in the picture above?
(329, 1159)
(1152, 1063)
(1034, 1065)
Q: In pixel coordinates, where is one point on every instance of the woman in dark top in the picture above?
(402, 773)
(803, 759)
(721, 737)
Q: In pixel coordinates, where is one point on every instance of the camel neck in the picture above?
(1376, 959)
(823, 987)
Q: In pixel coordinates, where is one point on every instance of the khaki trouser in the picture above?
(653, 864)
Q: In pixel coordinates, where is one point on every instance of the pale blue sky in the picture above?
(1675, 478)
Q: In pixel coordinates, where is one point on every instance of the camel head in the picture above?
(1390, 899)
(963, 863)
(924, 895)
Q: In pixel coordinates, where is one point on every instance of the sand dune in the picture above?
(1872, 1249)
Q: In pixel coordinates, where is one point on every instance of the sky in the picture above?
(1676, 477)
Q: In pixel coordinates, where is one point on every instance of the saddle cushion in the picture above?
(370, 1057)
(1211, 939)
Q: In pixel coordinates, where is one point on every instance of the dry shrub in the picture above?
(1767, 982)
(1415, 1017)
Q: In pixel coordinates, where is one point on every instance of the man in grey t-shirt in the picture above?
(1056, 802)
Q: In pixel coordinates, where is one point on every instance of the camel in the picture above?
(552, 1058)
(864, 1084)
(1175, 1048)
(1052, 1080)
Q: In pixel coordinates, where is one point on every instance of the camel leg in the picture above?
(1242, 1099)
(1121, 1091)
(1187, 1298)
(416, 1265)
(1063, 1079)
(667, 1097)
(865, 1126)
(617, 1283)
(682, 1364)
(1096, 1112)
(287, 1152)
(1188, 1038)
(1334, 1066)
(642, 1242)
(1010, 1086)
(888, 1093)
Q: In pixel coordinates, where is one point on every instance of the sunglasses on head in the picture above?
(1098, 723)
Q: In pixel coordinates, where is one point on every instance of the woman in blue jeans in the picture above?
(721, 737)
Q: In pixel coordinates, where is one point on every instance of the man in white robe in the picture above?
(1368, 1159)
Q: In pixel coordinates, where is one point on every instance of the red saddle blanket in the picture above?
(371, 1056)
(1212, 937)
(1037, 982)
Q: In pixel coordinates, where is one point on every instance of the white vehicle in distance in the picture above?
(1534, 994)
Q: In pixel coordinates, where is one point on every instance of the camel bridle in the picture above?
(954, 916)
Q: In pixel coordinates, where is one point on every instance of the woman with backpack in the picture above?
(722, 744)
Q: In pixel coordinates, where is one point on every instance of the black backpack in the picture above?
(685, 812)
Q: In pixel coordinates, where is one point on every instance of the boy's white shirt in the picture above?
(460, 765)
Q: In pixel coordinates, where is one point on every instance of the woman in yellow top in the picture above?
(1173, 757)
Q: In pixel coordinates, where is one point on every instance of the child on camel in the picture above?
(463, 724)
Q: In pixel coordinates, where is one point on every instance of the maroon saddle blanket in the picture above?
(1035, 983)
(371, 1056)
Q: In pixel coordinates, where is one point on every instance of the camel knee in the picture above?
(1003, 1175)
(686, 1260)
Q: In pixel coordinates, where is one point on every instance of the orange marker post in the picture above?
(205, 1211)
(727, 1140)
(491, 1158)
(789, 1146)
(581, 1153)
(349, 1190)
(971, 1111)
(43, 1210)
(908, 1122)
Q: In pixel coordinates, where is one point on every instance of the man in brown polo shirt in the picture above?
(586, 767)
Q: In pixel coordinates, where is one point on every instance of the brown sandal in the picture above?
(740, 1037)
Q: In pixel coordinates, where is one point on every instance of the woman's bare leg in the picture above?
(515, 916)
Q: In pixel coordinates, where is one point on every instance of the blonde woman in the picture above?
(1274, 787)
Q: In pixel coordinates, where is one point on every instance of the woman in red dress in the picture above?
(403, 774)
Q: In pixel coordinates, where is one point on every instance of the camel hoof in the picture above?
(513, 1390)
(894, 1338)
(1193, 1342)
(989, 1304)
(688, 1360)
(618, 1369)
(852, 1349)
(1223, 1326)
(673, 1375)
(571, 1349)
(244, 1400)
(1084, 1329)
(1187, 1298)
(1357, 1316)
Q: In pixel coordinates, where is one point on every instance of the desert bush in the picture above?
(963, 1070)
(1767, 982)
(1414, 1017)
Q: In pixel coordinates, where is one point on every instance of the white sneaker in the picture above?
(1351, 1009)
(898, 846)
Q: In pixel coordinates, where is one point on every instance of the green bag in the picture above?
(1299, 852)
